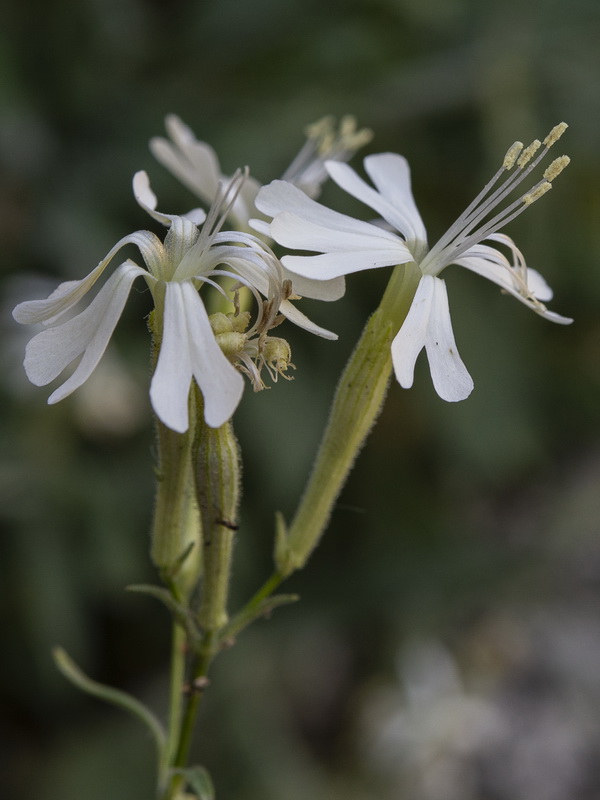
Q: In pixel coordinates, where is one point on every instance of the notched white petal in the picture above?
(66, 296)
(52, 350)
(391, 175)
(398, 216)
(450, 377)
(189, 349)
(428, 325)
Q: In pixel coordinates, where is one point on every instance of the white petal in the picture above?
(293, 231)
(428, 325)
(334, 265)
(196, 215)
(68, 294)
(391, 175)
(193, 162)
(319, 290)
(298, 318)
(188, 349)
(535, 282)
(89, 332)
(260, 226)
(450, 376)
(351, 182)
(410, 339)
(244, 205)
(146, 198)
(279, 196)
(538, 287)
(500, 275)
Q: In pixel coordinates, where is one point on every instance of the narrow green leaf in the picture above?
(281, 542)
(251, 613)
(114, 696)
(181, 614)
(199, 780)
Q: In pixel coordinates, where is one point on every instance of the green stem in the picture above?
(177, 679)
(357, 403)
(195, 693)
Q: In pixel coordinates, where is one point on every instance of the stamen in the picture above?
(225, 197)
(350, 137)
(512, 154)
(529, 153)
(530, 198)
(324, 142)
(471, 228)
(319, 128)
(556, 167)
(555, 134)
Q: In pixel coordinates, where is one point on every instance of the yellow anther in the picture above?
(512, 154)
(556, 167)
(350, 136)
(319, 128)
(530, 198)
(326, 142)
(528, 153)
(348, 125)
(555, 134)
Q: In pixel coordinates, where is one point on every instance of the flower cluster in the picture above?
(214, 350)
(345, 245)
(195, 252)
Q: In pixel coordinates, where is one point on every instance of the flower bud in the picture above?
(220, 323)
(231, 343)
(240, 321)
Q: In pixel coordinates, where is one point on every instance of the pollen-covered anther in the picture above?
(513, 152)
(555, 134)
(528, 153)
(319, 128)
(530, 198)
(556, 167)
(350, 137)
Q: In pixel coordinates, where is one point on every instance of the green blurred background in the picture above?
(447, 645)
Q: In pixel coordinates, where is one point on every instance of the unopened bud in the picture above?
(240, 321)
(277, 354)
(231, 342)
(220, 323)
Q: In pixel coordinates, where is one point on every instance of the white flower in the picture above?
(190, 256)
(346, 245)
(197, 166)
